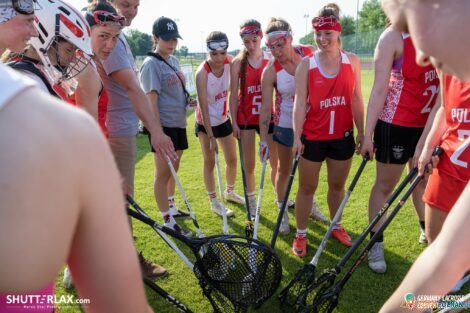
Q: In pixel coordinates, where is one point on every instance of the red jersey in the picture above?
(455, 161)
(412, 90)
(329, 113)
(249, 107)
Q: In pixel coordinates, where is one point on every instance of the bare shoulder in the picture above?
(390, 39)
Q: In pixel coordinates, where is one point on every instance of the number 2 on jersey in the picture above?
(256, 105)
(466, 142)
(433, 89)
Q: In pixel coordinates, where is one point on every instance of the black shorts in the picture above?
(256, 127)
(336, 149)
(177, 135)
(395, 144)
(219, 131)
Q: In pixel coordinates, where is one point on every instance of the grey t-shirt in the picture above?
(157, 76)
(121, 119)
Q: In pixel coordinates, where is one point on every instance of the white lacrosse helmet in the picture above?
(57, 21)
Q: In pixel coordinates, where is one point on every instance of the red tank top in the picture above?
(329, 113)
(102, 106)
(455, 161)
(412, 90)
(249, 107)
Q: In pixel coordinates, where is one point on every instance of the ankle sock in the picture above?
(301, 232)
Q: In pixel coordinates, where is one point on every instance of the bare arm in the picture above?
(233, 100)
(433, 273)
(357, 101)
(438, 128)
(88, 90)
(268, 80)
(388, 48)
(300, 103)
(162, 144)
(201, 86)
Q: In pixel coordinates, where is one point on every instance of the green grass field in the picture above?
(364, 293)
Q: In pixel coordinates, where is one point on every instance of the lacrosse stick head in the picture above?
(325, 301)
(242, 270)
(324, 282)
(249, 229)
(293, 296)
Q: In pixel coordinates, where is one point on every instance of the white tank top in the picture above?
(217, 93)
(285, 91)
(11, 84)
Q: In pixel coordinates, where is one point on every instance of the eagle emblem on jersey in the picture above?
(398, 152)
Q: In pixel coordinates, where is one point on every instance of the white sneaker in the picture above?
(234, 197)
(67, 281)
(290, 203)
(317, 214)
(377, 259)
(460, 283)
(216, 207)
(422, 237)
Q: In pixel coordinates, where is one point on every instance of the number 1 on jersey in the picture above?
(332, 123)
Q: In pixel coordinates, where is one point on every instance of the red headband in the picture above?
(326, 23)
(251, 30)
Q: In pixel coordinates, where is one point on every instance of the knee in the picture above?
(336, 186)
(231, 161)
(383, 187)
(307, 189)
(209, 163)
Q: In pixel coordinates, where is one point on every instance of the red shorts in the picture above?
(443, 190)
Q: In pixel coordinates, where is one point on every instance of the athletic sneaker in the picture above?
(177, 228)
(422, 237)
(234, 197)
(216, 207)
(460, 283)
(299, 246)
(284, 228)
(67, 282)
(151, 270)
(252, 205)
(342, 236)
(317, 214)
(377, 259)
(290, 203)
(176, 213)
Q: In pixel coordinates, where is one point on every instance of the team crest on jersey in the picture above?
(398, 152)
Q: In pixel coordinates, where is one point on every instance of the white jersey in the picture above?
(285, 92)
(217, 94)
(11, 84)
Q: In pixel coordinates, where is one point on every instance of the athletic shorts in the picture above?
(395, 144)
(283, 136)
(219, 131)
(442, 190)
(336, 149)
(177, 135)
(256, 127)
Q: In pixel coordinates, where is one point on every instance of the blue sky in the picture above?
(197, 18)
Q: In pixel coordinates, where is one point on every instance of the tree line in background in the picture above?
(371, 21)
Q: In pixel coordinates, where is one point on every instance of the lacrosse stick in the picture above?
(249, 222)
(221, 192)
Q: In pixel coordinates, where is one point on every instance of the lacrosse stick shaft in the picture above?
(316, 257)
(185, 198)
(141, 216)
(284, 201)
(221, 193)
(376, 219)
(249, 226)
(260, 198)
(380, 231)
(160, 291)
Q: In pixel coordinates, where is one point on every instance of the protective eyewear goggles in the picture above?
(217, 45)
(322, 21)
(104, 17)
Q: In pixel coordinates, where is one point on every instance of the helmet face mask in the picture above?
(56, 22)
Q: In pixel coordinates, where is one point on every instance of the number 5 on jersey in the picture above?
(256, 106)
